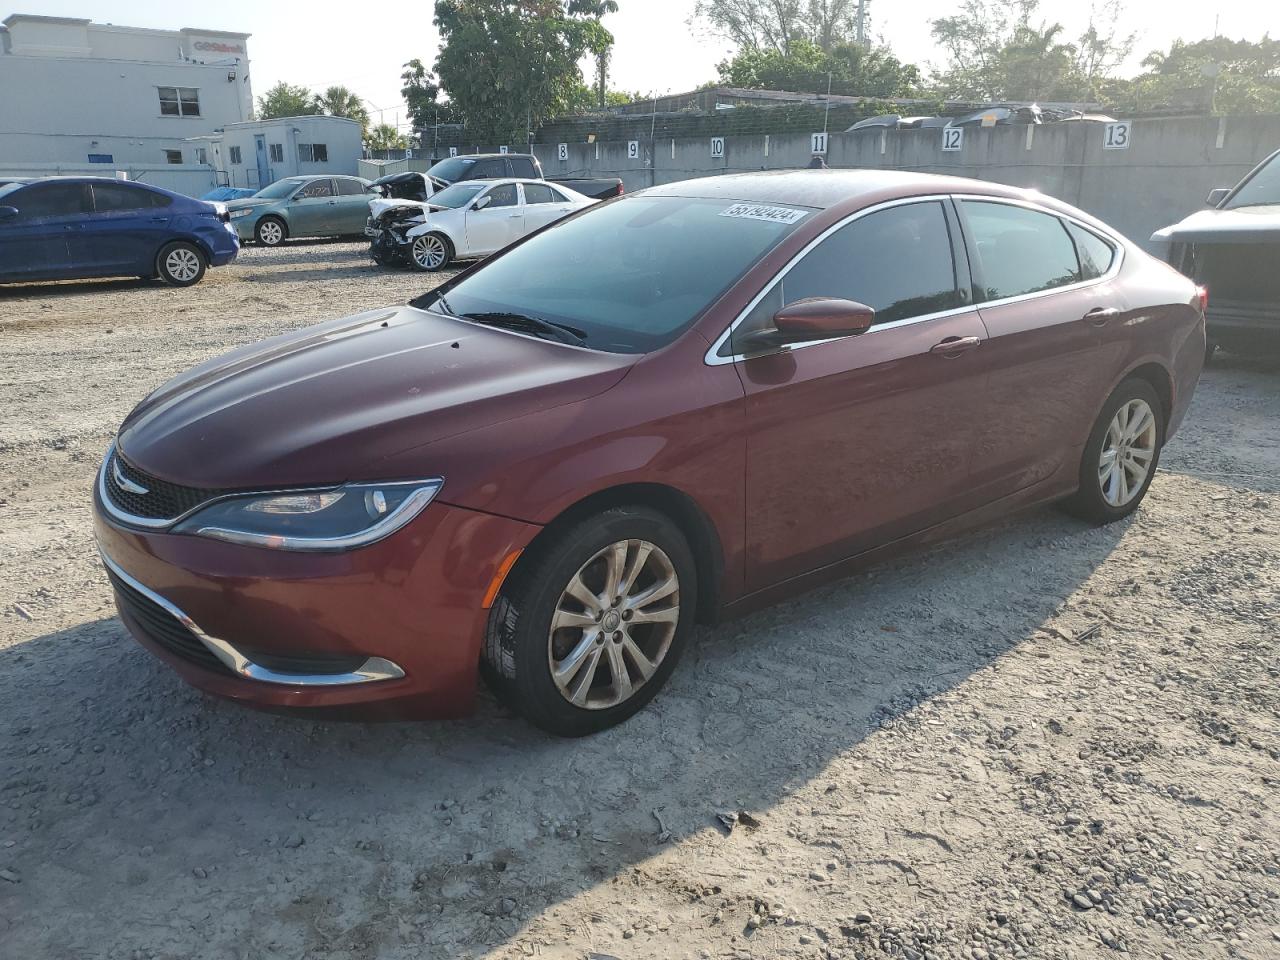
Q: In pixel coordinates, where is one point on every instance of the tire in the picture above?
(430, 252)
(1106, 495)
(180, 264)
(522, 650)
(271, 231)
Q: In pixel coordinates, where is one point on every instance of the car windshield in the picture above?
(451, 168)
(457, 195)
(8, 188)
(278, 190)
(1262, 188)
(631, 275)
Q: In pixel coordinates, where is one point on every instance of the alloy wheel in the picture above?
(1128, 450)
(270, 233)
(613, 624)
(429, 252)
(182, 264)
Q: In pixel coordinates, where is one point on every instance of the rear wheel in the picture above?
(270, 231)
(590, 628)
(431, 252)
(180, 263)
(1121, 456)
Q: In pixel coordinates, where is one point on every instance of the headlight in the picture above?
(242, 212)
(339, 518)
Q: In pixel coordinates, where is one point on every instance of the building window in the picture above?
(313, 153)
(179, 102)
(202, 155)
(173, 156)
(233, 153)
(277, 153)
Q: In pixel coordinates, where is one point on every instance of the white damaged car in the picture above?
(468, 220)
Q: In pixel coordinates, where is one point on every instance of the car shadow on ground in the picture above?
(64, 288)
(169, 797)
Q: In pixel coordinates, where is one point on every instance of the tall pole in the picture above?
(862, 23)
(827, 113)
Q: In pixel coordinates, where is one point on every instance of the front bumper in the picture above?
(403, 618)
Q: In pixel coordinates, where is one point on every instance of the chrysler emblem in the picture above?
(124, 483)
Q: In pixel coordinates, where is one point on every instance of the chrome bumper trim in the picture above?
(373, 669)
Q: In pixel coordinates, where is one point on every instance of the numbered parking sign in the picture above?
(952, 138)
(1115, 136)
(818, 143)
(503, 149)
(633, 149)
(562, 151)
(453, 151)
(717, 147)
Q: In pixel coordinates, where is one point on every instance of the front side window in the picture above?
(538, 193)
(1020, 251)
(277, 152)
(1261, 189)
(316, 188)
(632, 275)
(50, 200)
(179, 101)
(898, 261)
(233, 154)
(503, 195)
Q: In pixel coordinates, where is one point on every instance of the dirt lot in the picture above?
(1046, 740)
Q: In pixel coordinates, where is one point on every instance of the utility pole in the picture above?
(864, 21)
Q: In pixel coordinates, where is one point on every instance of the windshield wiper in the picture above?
(527, 323)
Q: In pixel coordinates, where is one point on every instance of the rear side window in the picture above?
(1096, 255)
(350, 188)
(538, 193)
(109, 197)
(1020, 251)
(51, 200)
(523, 167)
(897, 261)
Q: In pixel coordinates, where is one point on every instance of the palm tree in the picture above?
(596, 9)
(385, 137)
(341, 102)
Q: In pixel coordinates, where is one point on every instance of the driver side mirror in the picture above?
(482, 202)
(1217, 195)
(815, 318)
(8, 213)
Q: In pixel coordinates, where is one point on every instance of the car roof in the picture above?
(827, 188)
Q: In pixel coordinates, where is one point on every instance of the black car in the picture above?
(499, 166)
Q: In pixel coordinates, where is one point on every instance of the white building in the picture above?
(84, 97)
(259, 152)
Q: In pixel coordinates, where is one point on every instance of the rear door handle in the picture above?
(954, 346)
(1099, 316)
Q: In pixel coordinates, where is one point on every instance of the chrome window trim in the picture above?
(712, 359)
(373, 669)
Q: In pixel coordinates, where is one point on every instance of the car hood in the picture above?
(245, 202)
(327, 404)
(1241, 225)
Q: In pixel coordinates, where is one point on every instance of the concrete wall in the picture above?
(1164, 174)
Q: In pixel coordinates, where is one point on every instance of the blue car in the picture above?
(69, 228)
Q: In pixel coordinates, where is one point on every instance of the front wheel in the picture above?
(270, 231)
(180, 264)
(430, 252)
(590, 627)
(1121, 456)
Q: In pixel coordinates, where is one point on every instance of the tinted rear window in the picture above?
(1095, 253)
(1019, 250)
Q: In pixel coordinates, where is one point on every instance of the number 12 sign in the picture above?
(952, 138)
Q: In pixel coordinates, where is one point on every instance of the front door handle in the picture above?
(1099, 316)
(954, 346)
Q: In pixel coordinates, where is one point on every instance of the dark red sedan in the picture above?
(671, 407)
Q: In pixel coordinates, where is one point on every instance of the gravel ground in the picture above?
(1045, 740)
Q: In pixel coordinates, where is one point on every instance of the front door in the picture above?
(856, 442)
(1046, 323)
(496, 224)
(38, 241)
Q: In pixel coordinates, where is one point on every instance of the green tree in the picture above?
(422, 95)
(386, 137)
(764, 25)
(286, 100)
(854, 70)
(508, 65)
(596, 9)
(1229, 76)
(341, 102)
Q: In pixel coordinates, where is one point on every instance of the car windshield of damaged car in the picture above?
(1261, 189)
(631, 275)
(457, 195)
(278, 190)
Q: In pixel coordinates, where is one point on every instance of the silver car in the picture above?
(302, 207)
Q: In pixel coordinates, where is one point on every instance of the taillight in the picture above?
(620, 190)
(1202, 293)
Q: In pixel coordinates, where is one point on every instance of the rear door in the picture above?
(36, 243)
(499, 223)
(543, 204)
(858, 441)
(128, 226)
(1048, 326)
(351, 210)
(312, 209)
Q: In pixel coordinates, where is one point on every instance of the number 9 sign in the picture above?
(633, 149)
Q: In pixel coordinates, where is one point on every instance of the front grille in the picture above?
(162, 627)
(162, 501)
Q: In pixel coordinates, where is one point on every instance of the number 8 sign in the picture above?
(562, 151)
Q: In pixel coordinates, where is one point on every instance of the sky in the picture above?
(323, 43)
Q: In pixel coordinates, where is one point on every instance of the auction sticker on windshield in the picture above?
(758, 211)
